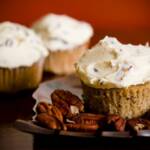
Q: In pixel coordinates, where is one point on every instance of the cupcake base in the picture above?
(129, 102)
(17, 79)
(62, 62)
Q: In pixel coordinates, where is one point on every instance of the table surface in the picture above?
(20, 106)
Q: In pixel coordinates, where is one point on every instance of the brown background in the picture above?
(129, 20)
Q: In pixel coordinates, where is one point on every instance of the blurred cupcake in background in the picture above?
(66, 39)
(22, 55)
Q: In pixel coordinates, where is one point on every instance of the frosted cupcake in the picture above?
(65, 38)
(21, 58)
(116, 78)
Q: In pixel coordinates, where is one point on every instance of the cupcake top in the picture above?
(61, 32)
(111, 64)
(19, 46)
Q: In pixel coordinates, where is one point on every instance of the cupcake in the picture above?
(22, 56)
(66, 40)
(116, 78)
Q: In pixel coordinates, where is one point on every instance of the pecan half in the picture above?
(48, 121)
(86, 122)
(138, 124)
(44, 107)
(82, 127)
(88, 118)
(68, 103)
(115, 122)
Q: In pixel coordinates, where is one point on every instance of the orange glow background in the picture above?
(129, 20)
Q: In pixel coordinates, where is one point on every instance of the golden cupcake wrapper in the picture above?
(62, 62)
(16, 79)
(129, 102)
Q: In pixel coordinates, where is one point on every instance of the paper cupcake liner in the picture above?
(129, 102)
(62, 62)
(13, 80)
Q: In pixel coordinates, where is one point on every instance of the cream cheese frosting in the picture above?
(61, 32)
(19, 46)
(111, 64)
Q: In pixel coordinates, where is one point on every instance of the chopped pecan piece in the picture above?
(115, 122)
(48, 121)
(138, 124)
(44, 107)
(88, 118)
(68, 103)
(82, 127)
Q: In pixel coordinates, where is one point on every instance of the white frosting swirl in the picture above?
(61, 32)
(19, 46)
(111, 64)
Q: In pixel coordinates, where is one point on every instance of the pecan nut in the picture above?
(68, 103)
(82, 127)
(115, 122)
(48, 121)
(86, 122)
(88, 118)
(138, 124)
(51, 110)
(42, 107)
